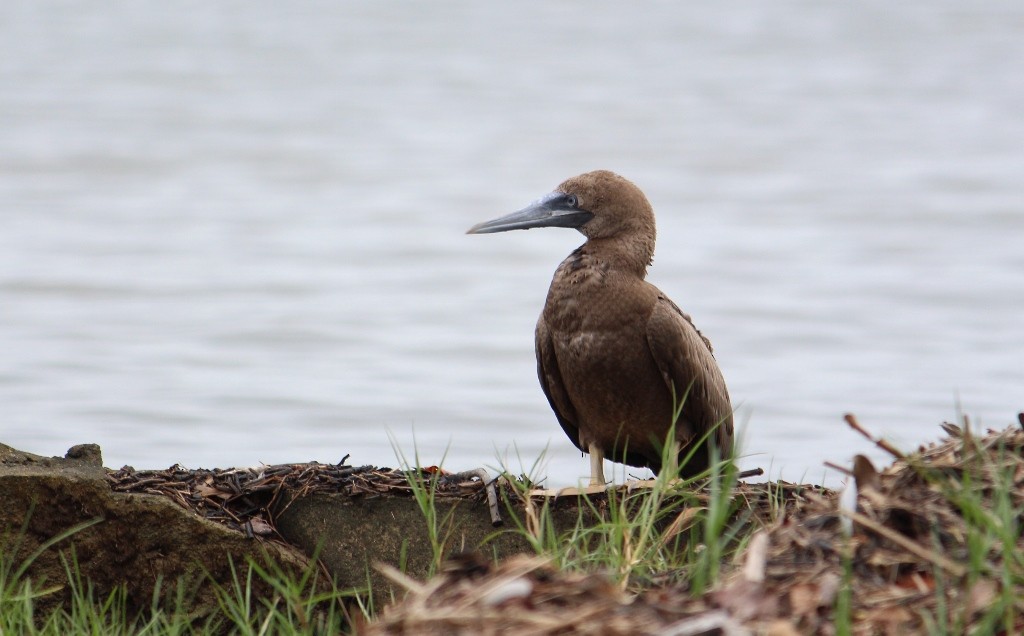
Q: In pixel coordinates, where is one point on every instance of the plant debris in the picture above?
(245, 498)
(894, 556)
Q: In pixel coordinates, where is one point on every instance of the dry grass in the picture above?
(932, 544)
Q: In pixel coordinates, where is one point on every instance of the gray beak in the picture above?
(557, 209)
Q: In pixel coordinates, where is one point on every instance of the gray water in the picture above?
(232, 233)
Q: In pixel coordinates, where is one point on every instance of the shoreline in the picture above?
(926, 541)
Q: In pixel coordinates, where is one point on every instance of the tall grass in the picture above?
(667, 529)
(423, 484)
(988, 498)
(298, 604)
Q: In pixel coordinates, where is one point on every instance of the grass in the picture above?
(424, 491)
(296, 605)
(986, 496)
(672, 532)
(663, 532)
(969, 498)
(669, 531)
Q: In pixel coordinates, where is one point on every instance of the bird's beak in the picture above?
(555, 210)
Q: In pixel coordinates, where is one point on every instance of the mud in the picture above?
(116, 539)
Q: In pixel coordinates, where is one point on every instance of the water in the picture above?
(233, 233)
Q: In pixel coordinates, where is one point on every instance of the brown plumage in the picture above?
(615, 356)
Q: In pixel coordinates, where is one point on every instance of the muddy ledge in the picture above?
(115, 538)
(135, 528)
(192, 525)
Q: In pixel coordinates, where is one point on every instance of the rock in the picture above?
(116, 539)
(351, 535)
(137, 539)
(88, 454)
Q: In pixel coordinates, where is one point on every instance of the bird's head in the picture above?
(600, 204)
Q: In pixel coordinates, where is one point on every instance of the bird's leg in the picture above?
(596, 465)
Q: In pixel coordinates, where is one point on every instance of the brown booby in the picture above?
(618, 361)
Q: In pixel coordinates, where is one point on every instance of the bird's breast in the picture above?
(591, 302)
(597, 327)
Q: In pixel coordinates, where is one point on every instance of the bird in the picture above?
(620, 364)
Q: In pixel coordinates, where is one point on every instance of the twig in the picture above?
(885, 445)
(753, 472)
(904, 542)
(400, 578)
(838, 468)
(713, 622)
(488, 484)
(756, 558)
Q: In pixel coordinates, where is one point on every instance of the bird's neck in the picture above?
(631, 253)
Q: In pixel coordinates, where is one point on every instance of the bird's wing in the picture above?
(554, 388)
(684, 357)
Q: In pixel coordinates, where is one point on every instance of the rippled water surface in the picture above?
(232, 233)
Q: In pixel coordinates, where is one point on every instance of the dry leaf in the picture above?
(981, 595)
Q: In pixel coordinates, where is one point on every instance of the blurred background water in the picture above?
(232, 232)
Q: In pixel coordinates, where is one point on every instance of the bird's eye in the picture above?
(571, 200)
